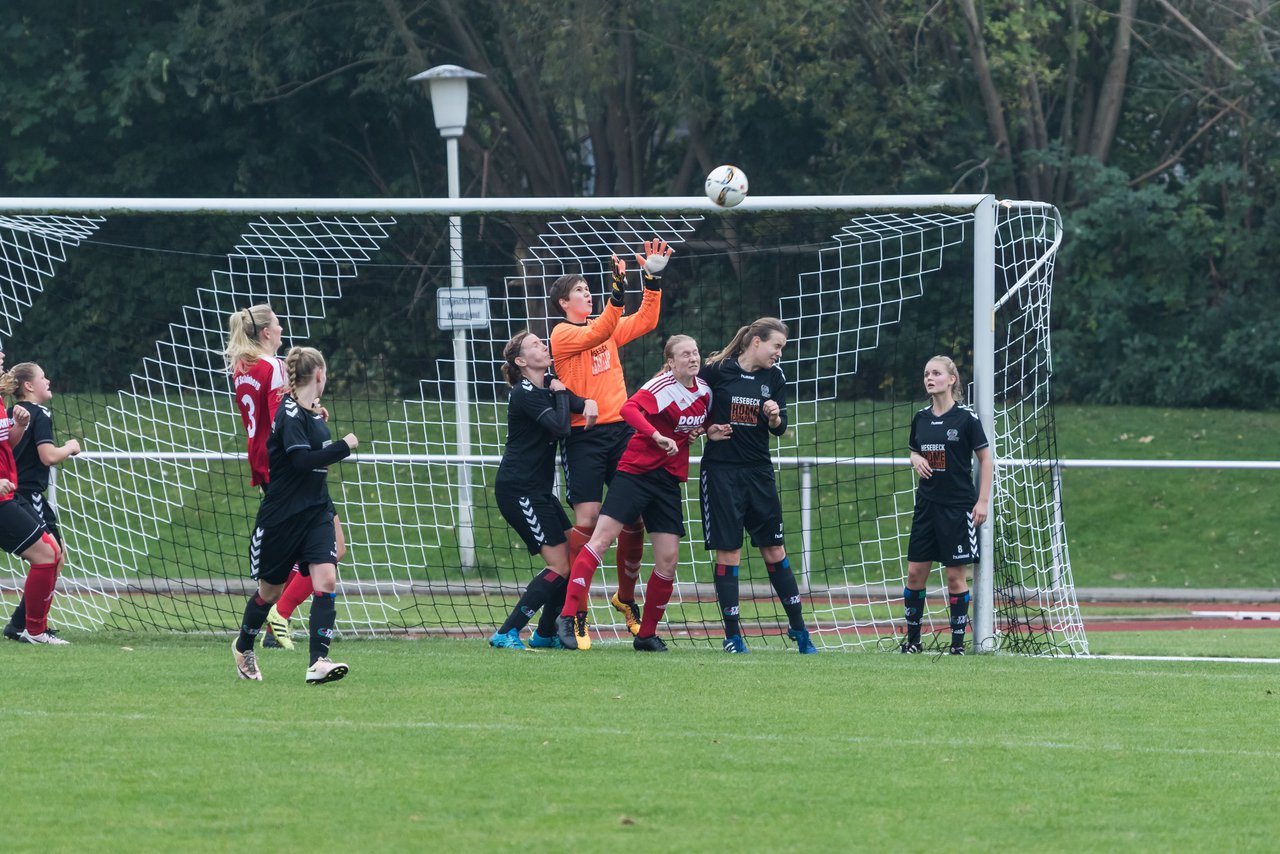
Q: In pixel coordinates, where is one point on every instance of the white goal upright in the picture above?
(157, 510)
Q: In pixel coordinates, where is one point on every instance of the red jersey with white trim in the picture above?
(663, 404)
(8, 465)
(257, 391)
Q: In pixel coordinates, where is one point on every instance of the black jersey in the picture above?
(948, 441)
(33, 475)
(737, 398)
(537, 419)
(299, 454)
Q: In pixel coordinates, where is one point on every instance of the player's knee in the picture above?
(773, 554)
(324, 578)
(52, 543)
(43, 551)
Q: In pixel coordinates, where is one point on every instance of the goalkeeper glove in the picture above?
(653, 262)
(618, 288)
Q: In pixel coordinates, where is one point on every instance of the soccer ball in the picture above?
(726, 186)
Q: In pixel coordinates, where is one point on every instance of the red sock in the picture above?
(629, 552)
(296, 591)
(42, 578)
(579, 536)
(575, 598)
(656, 596)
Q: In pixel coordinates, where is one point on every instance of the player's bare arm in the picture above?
(921, 465)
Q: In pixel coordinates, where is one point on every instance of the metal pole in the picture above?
(806, 524)
(984, 394)
(461, 376)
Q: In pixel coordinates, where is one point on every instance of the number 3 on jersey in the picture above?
(251, 418)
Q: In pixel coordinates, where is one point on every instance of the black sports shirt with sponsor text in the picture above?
(948, 441)
(737, 398)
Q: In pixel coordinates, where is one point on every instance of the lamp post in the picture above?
(448, 84)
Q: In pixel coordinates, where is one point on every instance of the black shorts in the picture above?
(19, 528)
(942, 534)
(590, 458)
(654, 496)
(737, 497)
(537, 517)
(40, 508)
(303, 540)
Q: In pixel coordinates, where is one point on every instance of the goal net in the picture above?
(157, 511)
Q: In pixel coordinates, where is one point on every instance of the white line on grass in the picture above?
(1184, 658)
(709, 736)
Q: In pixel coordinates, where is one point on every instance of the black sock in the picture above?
(553, 606)
(726, 580)
(255, 614)
(19, 618)
(912, 610)
(324, 613)
(959, 616)
(784, 584)
(535, 596)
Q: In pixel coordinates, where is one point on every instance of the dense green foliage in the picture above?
(431, 745)
(1156, 130)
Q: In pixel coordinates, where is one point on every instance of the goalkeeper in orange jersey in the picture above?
(585, 351)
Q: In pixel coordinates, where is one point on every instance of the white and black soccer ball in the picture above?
(726, 186)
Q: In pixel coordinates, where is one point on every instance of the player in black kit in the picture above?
(34, 455)
(945, 436)
(295, 518)
(749, 394)
(537, 419)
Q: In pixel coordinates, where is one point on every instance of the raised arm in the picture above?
(568, 339)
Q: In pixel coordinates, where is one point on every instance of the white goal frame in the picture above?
(981, 208)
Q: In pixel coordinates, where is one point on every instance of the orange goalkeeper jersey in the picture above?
(586, 355)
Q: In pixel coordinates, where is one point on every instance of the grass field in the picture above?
(149, 743)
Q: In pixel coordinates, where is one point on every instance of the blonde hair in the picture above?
(22, 373)
(760, 328)
(669, 351)
(7, 383)
(244, 335)
(300, 366)
(510, 370)
(957, 388)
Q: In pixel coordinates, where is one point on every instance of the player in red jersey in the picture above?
(666, 412)
(24, 535)
(254, 336)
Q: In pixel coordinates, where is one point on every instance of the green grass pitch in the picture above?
(133, 743)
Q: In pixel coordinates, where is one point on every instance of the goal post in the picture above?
(870, 287)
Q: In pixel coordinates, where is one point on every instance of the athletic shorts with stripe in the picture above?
(303, 539)
(738, 497)
(942, 534)
(38, 506)
(590, 458)
(654, 496)
(19, 528)
(538, 518)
